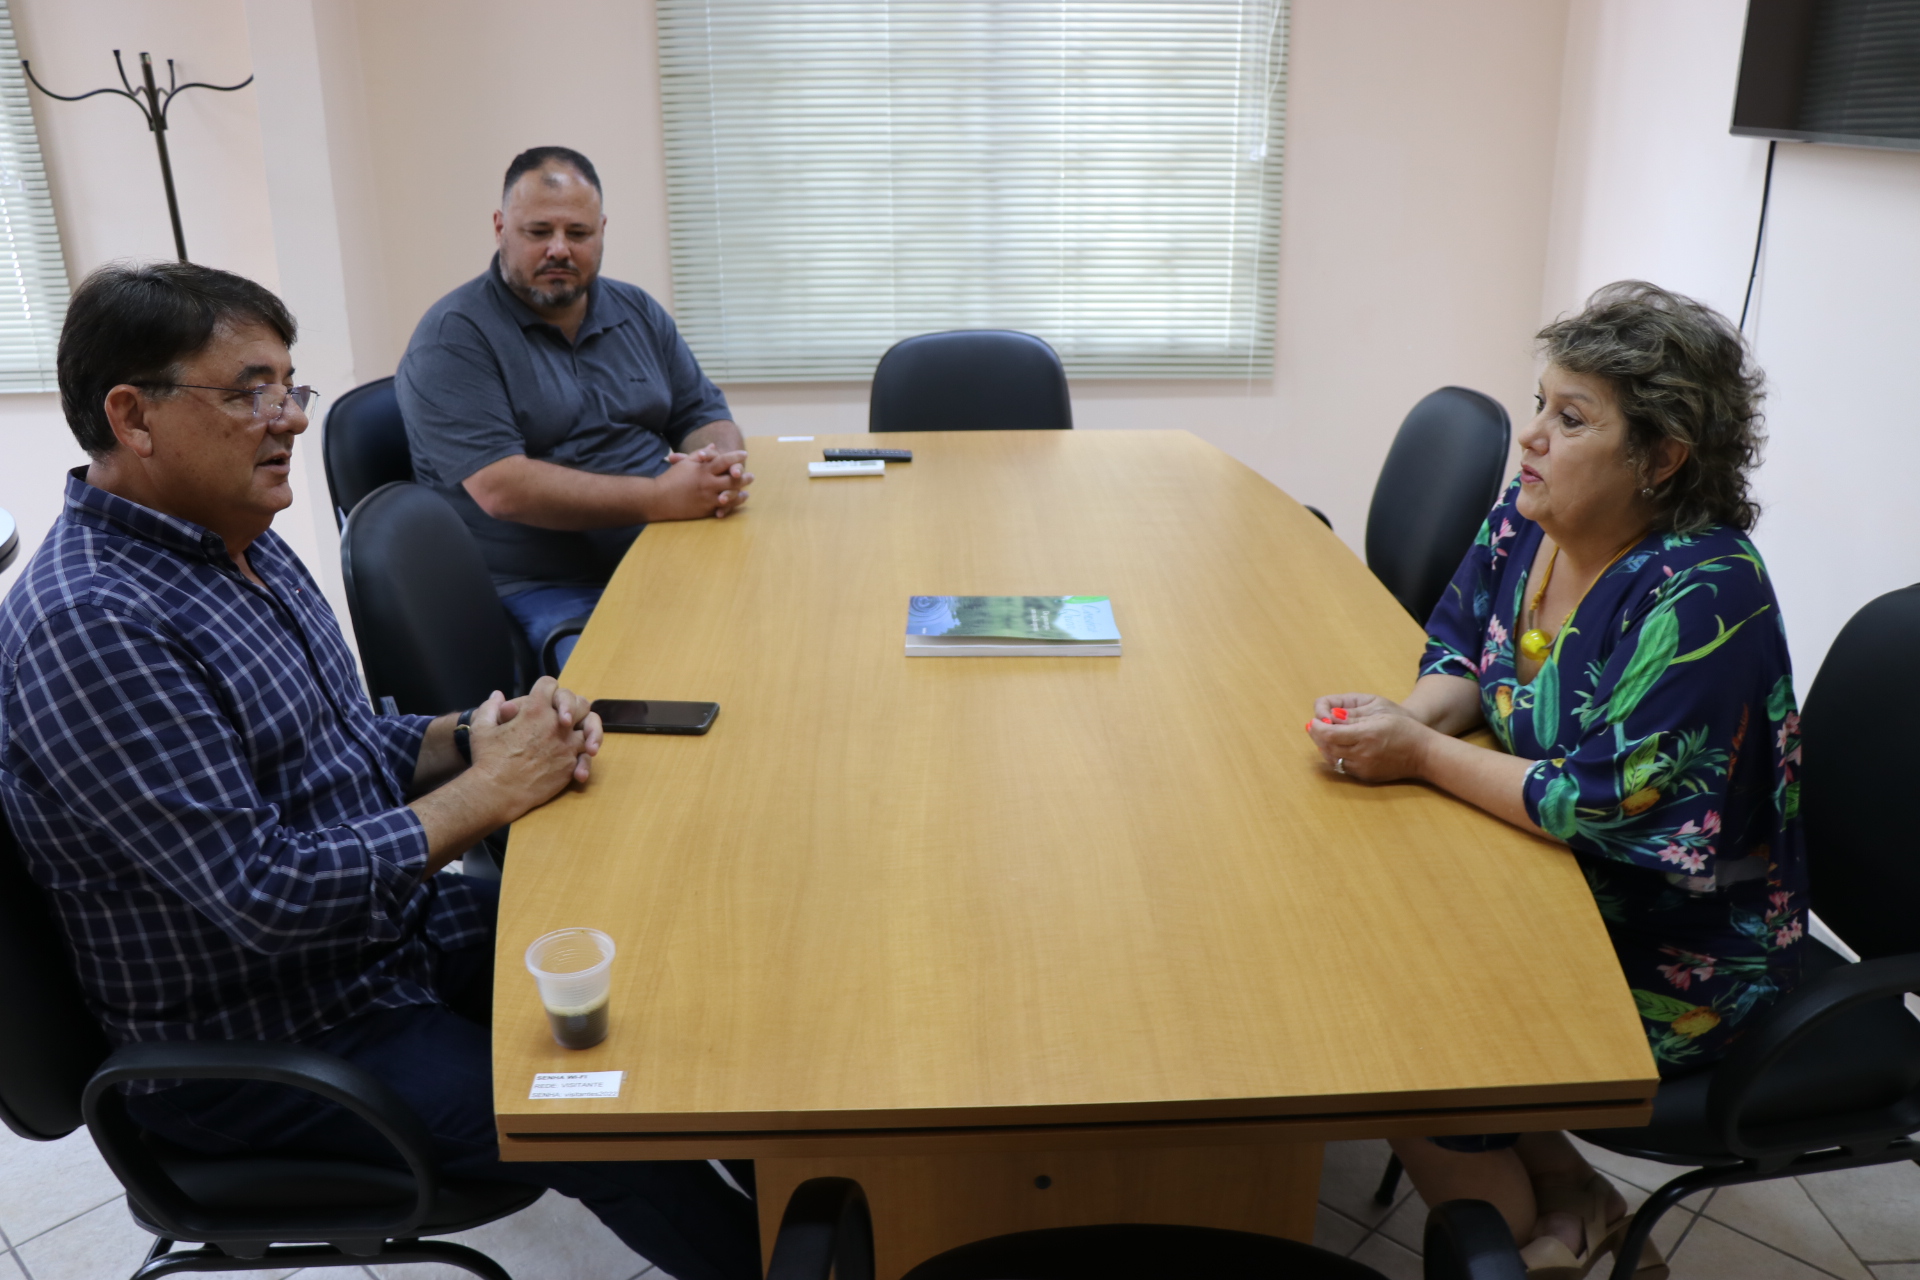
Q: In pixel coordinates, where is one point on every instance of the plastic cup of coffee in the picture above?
(572, 968)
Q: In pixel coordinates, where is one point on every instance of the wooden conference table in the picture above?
(1032, 941)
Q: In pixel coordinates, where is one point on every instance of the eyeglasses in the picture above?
(270, 399)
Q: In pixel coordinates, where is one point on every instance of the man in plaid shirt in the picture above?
(236, 845)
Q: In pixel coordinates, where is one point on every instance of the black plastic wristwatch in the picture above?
(463, 735)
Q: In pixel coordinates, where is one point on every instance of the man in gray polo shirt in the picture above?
(559, 412)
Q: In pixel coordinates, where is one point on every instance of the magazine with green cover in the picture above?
(1011, 626)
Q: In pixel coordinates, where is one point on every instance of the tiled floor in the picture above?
(62, 1217)
(1863, 1224)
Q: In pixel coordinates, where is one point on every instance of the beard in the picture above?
(559, 294)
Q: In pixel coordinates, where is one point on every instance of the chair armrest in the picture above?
(571, 627)
(333, 1078)
(1469, 1240)
(826, 1229)
(1799, 1016)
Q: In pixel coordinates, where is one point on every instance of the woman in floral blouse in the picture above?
(1616, 630)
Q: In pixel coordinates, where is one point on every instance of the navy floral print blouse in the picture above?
(1666, 732)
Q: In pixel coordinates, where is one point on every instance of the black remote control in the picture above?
(867, 455)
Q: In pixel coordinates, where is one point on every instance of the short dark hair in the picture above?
(134, 323)
(1680, 371)
(540, 157)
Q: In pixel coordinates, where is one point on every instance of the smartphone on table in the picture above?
(618, 715)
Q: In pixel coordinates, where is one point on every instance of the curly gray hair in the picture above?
(1680, 372)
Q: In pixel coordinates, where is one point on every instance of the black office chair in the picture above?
(1435, 488)
(57, 1072)
(1830, 1078)
(433, 634)
(827, 1228)
(364, 445)
(969, 380)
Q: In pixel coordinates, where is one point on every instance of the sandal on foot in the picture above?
(1548, 1258)
(1594, 1194)
(1590, 1203)
(1587, 1202)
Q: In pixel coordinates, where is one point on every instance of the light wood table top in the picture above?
(910, 900)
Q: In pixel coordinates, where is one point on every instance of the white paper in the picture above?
(864, 468)
(549, 1085)
(793, 439)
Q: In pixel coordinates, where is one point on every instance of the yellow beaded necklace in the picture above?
(1535, 643)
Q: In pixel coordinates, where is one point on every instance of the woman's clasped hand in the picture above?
(1369, 737)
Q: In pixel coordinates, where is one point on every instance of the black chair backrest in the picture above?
(969, 380)
(433, 634)
(50, 1044)
(1435, 488)
(1859, 756)
(364, 444)
(1135, 1251)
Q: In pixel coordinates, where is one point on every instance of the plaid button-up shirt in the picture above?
(196, 777)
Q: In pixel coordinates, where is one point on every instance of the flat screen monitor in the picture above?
(1845, 71)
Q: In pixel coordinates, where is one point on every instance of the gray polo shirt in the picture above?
(484, 378)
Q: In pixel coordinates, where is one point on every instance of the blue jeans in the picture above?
(540, 609)
(678, 1214)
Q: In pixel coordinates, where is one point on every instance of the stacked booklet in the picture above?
(1011, 627)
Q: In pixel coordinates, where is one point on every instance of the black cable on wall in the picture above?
(1760, 235)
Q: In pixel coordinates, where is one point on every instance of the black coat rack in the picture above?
(155, 110)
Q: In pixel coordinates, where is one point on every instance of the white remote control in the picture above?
(846, 468)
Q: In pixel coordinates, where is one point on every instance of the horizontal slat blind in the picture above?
(845, 173)
(33, 272)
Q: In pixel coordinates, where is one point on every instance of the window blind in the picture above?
(33, 273)
(842, 174)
